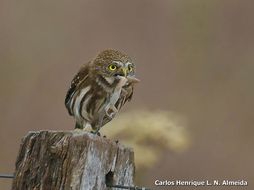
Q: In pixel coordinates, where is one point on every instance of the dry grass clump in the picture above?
(149, 133)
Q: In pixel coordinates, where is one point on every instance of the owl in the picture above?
(100, 89)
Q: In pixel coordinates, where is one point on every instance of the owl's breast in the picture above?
(114, 97)
(94, 102)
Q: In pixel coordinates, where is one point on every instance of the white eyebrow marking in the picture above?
(118, 63)
(128, 63)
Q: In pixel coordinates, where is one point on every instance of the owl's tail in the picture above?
(78, 126)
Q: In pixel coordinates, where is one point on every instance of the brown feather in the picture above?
(75, 84)
(91, 90)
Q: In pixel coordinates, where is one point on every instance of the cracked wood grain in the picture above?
(71, 160)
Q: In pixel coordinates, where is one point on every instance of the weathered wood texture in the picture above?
(50, 160)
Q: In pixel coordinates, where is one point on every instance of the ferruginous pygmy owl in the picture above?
(100, 89)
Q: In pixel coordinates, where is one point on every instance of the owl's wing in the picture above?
(79, 78)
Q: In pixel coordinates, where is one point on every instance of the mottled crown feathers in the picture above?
(110, 55)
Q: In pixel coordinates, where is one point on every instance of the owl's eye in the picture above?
(130, 68)
(112, 67)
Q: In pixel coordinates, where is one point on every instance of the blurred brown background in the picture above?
(194, 57)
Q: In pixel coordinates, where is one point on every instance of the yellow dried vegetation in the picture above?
(149, 133)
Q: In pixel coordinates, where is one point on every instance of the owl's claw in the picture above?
(96, 133)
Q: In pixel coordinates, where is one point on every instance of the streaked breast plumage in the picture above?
(100, 89)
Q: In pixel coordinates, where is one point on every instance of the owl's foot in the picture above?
(78, 130)
(96, 133)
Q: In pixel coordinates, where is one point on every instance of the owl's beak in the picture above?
(125, 70)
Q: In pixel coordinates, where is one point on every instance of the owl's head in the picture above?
(113, 63)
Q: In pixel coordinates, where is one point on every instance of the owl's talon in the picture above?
(96, 133)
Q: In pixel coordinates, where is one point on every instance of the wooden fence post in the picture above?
(71, 160)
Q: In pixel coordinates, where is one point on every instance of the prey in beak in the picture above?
(132, 79)
(124, 74)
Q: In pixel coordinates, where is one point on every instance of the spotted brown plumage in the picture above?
(100, 89)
